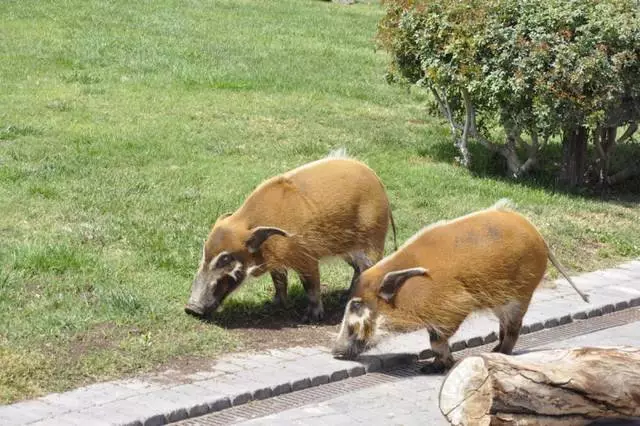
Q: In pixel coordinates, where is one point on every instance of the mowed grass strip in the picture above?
(127, 127)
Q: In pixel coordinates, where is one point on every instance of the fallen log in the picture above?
(561, 387)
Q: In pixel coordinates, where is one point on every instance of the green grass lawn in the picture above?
(127, 127)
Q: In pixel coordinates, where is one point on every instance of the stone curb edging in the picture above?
(373, 363)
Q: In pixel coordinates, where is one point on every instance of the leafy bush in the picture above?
(534, 69)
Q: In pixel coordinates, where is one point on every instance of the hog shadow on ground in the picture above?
(265, 315)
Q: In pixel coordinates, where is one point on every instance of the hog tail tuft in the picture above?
(504, 204)
(338, 153)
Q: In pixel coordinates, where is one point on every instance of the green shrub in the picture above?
(534, 69)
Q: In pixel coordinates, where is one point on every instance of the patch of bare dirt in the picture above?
(260, 339)
(106, 335)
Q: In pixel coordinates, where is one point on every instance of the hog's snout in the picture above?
(194, 310)
(199, 311)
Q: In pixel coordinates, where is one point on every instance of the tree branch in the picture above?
(532, 151)
(443, 105)
(473, 129)
(597, 140)
(469, 121)
(633, 126)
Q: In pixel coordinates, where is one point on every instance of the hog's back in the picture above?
(331, 206)
(479, 261)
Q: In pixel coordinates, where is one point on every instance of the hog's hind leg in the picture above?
(359, 261)
(510, 316)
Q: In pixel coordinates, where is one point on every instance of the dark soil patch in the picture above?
(259, 339)
(103, 336)
(266, 326)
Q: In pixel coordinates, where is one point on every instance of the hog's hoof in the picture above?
(279, 303)
(313, 315)
(435, 367)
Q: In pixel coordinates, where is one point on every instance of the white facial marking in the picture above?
(351, 319)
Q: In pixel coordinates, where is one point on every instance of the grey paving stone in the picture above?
(551, 309)
(634, 302)
(305, 351)
(29, 412)
(491, 337)
(321, 379)
(139, 385)
(474, 341)
(339, 375)
(550, 323)
(621, 305)
(88, 396)
(71, 419)
(595, 312)
(580, 315)
(300, 384)
(631, 264)
(607, 309)
(145, 409)
(236, 391)
(619, 275)
(157, 420)
(120, 412)
(356, 371)
(525, 329)
(241, 398)
(172, 401)
(458, 346)
(409, 342)
(475, 325)
(11, 415)
(174, 416)
(285, 354)
(220, 404)
(536, 326)
(249, 362)
(228, 367)
(198, 402)
(281, 389)
(565, 319)
(262, 393)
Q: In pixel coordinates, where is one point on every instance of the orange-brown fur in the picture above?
(480, 261)
(331, 207)
(492, 259)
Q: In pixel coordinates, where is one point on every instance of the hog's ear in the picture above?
(392, 282)
(260, 234)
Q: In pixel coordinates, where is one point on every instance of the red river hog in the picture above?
(335, 206)
(491, 259)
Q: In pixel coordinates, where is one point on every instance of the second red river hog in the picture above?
(336, 206)
(491, 259)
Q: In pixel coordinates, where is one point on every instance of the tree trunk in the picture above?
(555, 387)
(574, 156)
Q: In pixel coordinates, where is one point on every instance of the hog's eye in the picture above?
(224, 260)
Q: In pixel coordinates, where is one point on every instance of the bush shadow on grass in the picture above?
(259, 314)
(492, 165)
